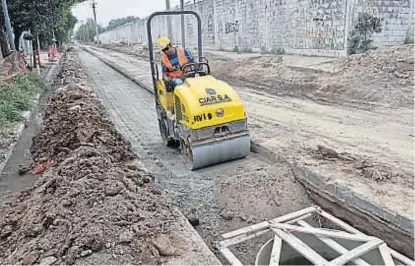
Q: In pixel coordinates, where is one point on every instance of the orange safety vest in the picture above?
(172, 73)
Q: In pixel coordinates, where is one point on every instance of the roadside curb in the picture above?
(48, 82)
(372, 217)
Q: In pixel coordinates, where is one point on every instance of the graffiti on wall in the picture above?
(231, 27)
(189, 28)
(317, 25)
(210, 23)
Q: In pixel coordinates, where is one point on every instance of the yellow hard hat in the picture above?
(163, 42)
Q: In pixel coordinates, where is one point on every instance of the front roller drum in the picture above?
(199, 156)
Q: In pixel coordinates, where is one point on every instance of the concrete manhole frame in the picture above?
(284, 227)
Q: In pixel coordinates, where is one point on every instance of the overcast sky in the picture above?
(111, 9)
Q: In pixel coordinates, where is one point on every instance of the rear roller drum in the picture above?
(168, 141)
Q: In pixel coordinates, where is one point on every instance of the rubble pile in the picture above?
(74, 118)
(397, 60)
(383, 77)
(94, 204)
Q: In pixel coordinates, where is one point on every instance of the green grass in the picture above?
(408, 40)
(277, 51)
(17, 96)
(246, 50)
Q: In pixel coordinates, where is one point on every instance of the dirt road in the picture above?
(224, 197)
(378, 142)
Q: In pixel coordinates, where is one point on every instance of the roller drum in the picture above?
(219, 152)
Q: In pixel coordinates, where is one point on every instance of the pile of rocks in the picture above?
(95, 204)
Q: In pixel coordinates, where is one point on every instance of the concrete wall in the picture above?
(306, 27)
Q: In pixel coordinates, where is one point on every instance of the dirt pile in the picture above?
(395, 60)
(382, 77)
(74, 118)
(267, 74)
(363, 167)
(94, 205)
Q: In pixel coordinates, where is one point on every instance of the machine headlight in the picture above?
(219, 112)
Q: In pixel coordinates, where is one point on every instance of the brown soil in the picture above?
(95, 204)
(380, 77)
(374, 146)
(353, 132)
(362, 167)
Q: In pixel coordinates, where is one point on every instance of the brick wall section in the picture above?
(304, 27)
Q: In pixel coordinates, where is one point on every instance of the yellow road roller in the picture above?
(203, 116)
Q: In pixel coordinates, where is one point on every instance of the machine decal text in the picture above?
(214, 99)
(199, 118)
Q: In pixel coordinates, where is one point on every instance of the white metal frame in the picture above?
(284, 225)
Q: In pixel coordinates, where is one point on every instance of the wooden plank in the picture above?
(347, 227)
(339, 222)
(301, 247)
(334, 245)
(386, 255)
(276, 251)
(230, 257)
(398, 256)
(305, 216)
(263, 225)
(241, 238)
(356, 252)
(324, 232)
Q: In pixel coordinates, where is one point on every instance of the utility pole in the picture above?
(169, 29)
(8, 25)
(87, 32)
(182, 24)
(95, 19)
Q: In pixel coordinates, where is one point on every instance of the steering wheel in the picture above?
(191, 69)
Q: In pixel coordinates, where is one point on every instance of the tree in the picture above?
(65, 26)
(41, 17)
(360, 36)
(114, 23)
(86, 32)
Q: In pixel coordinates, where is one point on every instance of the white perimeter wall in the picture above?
(305, 27)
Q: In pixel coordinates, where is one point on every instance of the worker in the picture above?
(172, 60)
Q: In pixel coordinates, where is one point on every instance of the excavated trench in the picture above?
(215, 199)
(225, 197)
